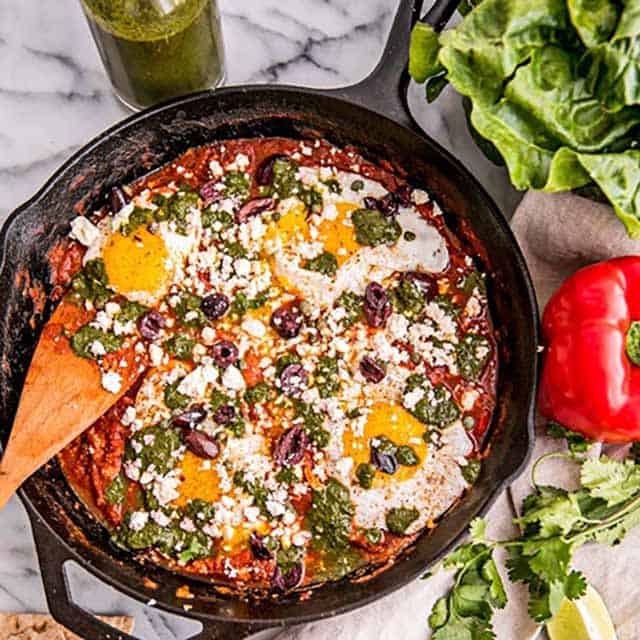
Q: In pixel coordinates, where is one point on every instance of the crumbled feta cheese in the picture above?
(251, 514)
(164, 488)
(208, 335)
(186, 524)
(111, 381)
(112, 309)
(84, 231)
(232, 379)
(195, 383)
(160, 518)
(97, 348)
(128, 416)
(473, 307)
(254, 327)
(411, 399)
(138, 520)
(155, 355)
(242, 161)
(275, 508)
(300, 538)
(469, 398)
(216, 169)
(420, 197)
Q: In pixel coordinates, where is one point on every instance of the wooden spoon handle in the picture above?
(62, 396)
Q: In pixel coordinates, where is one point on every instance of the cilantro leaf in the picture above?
(576, 442)
(613, 481)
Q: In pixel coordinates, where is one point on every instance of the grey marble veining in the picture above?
(54, 97)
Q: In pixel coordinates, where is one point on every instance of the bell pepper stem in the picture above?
(632, 343)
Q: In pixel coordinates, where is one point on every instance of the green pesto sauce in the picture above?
(329, 521)
(438, 410)
(327, 378)
(153, 54)
(159, 452)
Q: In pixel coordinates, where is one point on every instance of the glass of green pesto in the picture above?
(154, 50)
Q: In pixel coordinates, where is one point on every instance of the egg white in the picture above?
(427, 252)
(434, 487)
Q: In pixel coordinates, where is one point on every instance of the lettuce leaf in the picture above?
(554, 86)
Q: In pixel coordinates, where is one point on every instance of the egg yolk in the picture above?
(197, 483)
(204, 484)
(337, 237)
(291, 225)
(396, 424)
(136, 262)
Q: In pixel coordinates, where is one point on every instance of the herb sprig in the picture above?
(554, 523)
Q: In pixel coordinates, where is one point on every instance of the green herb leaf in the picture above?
(576, 442)
(554, 87)
(423, 54)
(188, 311)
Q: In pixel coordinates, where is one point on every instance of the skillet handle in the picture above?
(52, 557)
(385, 89)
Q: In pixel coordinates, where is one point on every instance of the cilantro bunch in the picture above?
(554, 523)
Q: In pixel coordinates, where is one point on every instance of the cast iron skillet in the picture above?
(371, 115)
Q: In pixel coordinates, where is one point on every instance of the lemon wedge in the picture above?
(584, 619)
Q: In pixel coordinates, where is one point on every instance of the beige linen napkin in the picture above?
(558, 234)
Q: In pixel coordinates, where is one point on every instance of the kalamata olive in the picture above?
(289, 449)
(258, 547)
(287, 321)
(224, 414)
(371, 370)
(224, 353)
(294, 380)
(385, 462)
(211, 192)
(201, 444)
(264, 173)
(118, 199)
(215, 305)
(253, 208)
(290, 580)
(377, 306)
(371, 203)
(388, 204)
(403, 195)
(192, 416)
(150, 324)
(427, 283)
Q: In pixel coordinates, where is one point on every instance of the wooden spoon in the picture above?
(62, 396)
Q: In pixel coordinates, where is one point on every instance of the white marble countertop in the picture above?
(54, 97)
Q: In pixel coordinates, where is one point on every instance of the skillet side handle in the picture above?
(385, 89)
(52, 557)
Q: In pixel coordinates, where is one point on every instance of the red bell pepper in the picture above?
(591, 375)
